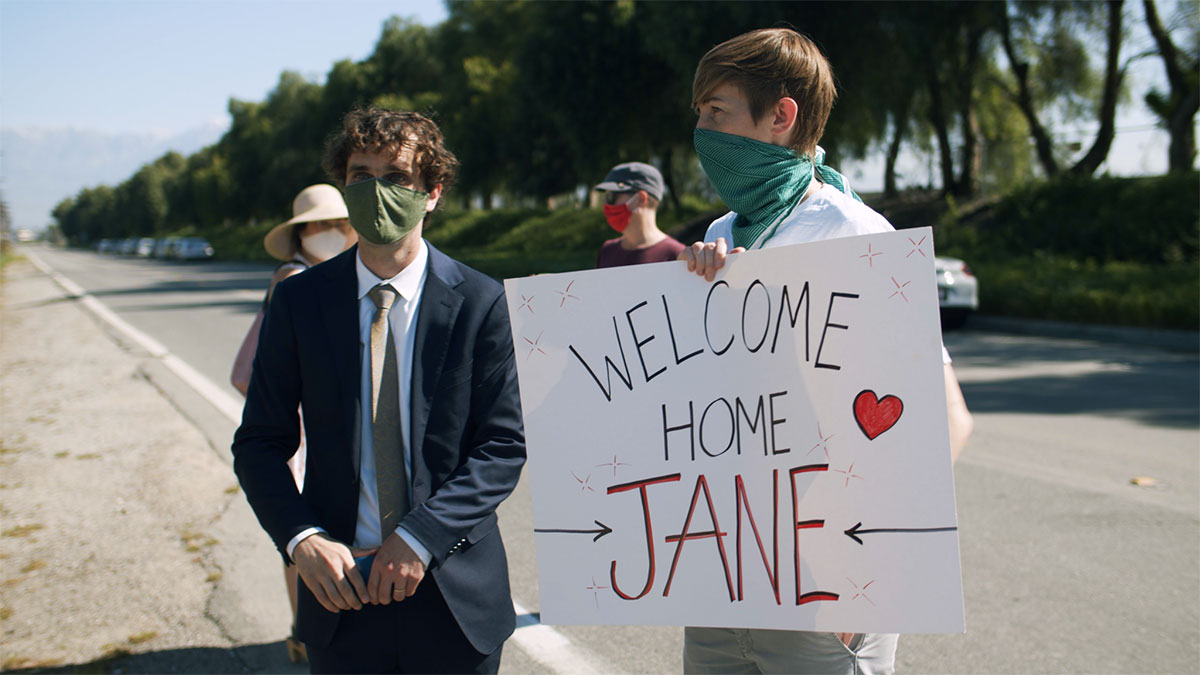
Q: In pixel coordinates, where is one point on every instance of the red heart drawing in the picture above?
(876, 415)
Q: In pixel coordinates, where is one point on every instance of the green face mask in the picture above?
(760, 182)
(383, 212)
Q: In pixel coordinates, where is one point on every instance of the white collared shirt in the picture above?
(402, 319)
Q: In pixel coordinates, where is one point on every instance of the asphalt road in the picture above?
(1068, 566)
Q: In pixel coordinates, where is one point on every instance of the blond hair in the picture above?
(767, 65)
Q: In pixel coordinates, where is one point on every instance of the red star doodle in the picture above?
(566, 293)
(849, 474)
(614, 464)
(525, 303)
(534, 346)
(583, 482)
(595, 588)
(870, 256)
(861, 591)
(917, 247)
(899, 289)
(823, 443)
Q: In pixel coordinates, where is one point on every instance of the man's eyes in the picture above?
(396, 177)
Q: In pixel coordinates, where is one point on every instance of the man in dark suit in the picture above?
(402, 360)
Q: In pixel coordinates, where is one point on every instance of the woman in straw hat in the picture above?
(318, 230)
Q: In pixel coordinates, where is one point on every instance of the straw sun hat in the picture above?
(315, 202)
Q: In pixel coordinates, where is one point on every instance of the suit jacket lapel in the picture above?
(339, 309)
(436, 315)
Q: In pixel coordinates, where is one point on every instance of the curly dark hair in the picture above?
(380, 130)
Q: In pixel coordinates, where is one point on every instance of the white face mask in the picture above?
(324, 245)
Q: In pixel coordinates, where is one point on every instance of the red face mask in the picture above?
(618, 216)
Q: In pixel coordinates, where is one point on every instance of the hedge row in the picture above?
(1148, 219)
(1109, 250)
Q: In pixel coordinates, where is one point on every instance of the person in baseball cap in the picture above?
(633, 191)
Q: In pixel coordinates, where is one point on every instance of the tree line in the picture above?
(539, 98)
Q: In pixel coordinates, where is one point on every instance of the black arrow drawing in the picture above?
(855, 531)
(604, 529)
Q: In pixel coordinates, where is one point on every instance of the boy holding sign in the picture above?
(763, 99)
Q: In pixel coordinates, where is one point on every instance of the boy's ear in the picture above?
(783, 116)
(435, 193)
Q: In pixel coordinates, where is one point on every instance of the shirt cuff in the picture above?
(416, 546)
(304, 534)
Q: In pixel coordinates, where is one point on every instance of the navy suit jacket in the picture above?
(467, 440)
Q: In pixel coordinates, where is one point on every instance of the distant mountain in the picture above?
(39, 167)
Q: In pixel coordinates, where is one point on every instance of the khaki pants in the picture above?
(729, 650)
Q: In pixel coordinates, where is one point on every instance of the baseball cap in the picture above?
(633, 176)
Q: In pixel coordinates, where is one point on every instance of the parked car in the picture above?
(106, 246)
(144, 248)
(958, 291)
(128, 246)
(192, 248)
(162, 247)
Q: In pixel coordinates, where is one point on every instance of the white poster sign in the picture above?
(768, 450)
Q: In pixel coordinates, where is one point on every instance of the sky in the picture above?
(169, 65)
(91, 90)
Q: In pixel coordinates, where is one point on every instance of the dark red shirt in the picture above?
(612, 255)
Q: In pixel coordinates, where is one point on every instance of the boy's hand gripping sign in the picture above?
(768, 450)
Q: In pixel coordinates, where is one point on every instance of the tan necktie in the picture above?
(390, 477)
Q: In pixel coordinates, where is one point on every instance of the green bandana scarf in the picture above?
(760, 182)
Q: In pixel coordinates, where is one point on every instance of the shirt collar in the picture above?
(406, 283)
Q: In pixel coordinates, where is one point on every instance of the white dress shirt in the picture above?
(402, 319)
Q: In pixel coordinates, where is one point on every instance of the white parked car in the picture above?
(144, 247)
(958, 291)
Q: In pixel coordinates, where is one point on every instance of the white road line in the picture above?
(552, 649)
(229, 406)
(542, 643)
(223, 402)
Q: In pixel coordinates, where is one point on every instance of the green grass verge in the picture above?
(506, 243)
(8, 255)
(238, 242)
(1106, 251)
(1119, 251)
(1150, 295)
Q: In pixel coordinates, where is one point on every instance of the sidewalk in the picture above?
(119, 521)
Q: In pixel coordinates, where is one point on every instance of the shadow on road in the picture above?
(243, 306)
(243, 282)
(260, 658)
(1153, 386)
